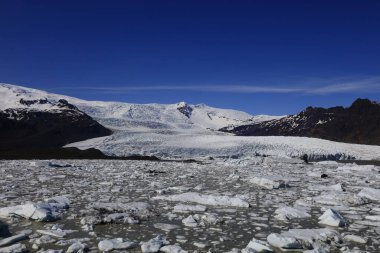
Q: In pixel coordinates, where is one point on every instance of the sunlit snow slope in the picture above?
(181, 130)
(123, 116)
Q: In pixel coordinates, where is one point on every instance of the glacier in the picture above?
(183, 130)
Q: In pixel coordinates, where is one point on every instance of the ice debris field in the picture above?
(258, 205)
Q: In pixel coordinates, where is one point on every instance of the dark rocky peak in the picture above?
(309, 109)
(185, 109)
(62, 103)
(34, 102)
(363, 103)
(315, 110)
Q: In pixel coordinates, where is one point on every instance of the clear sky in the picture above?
(263, 57)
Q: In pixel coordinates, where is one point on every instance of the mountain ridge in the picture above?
(201, 115)
(166, 132)
(358, 123)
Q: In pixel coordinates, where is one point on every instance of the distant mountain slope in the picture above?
(117, 115)
(359, 123)
(39, 124)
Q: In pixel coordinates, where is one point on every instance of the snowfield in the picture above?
(182, 130)
(214, 206)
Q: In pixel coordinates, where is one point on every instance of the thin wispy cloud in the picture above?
(364, 85)
(321, 87)
(200, 88)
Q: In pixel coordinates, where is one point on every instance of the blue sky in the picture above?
(263, 57)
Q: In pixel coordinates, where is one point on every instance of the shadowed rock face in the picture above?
(28, 128)
(359, 123)
(185, 109)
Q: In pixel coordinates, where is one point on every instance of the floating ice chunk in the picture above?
(235, 250)
(340, 198)
(303, 238)
(327, 163)
(337, 187)
(15, 248)
(257, 246)
(358, 168)
(288, 213)
(166, 227)
(207, 219)
(190, 221)
(332, 218)
(120, 218)
(213, 200)
(60, 202)
(201, 245)
(48, 163)
(13, 239)
(39, 163)
(40, 212)
(154, 245)
(201, 220)
(199, 187)
(43, 178)
(54, 233)
(189, 208)
(180, 188)
(355, 238)
(172, 249)
(77, 247)
(370, 193)
(115, 244)
(45, 239)
(270, 182)
(284, 241)
(91, 220)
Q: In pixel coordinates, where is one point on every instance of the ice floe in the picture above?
(270, 182)
(34, 211)
(154, 245)
(288, 213)
(115, 244)
(303, 238)
(333, 218)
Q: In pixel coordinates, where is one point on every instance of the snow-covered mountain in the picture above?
(176, 130)
(358, 123)
(117, 115)
(32, 123)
